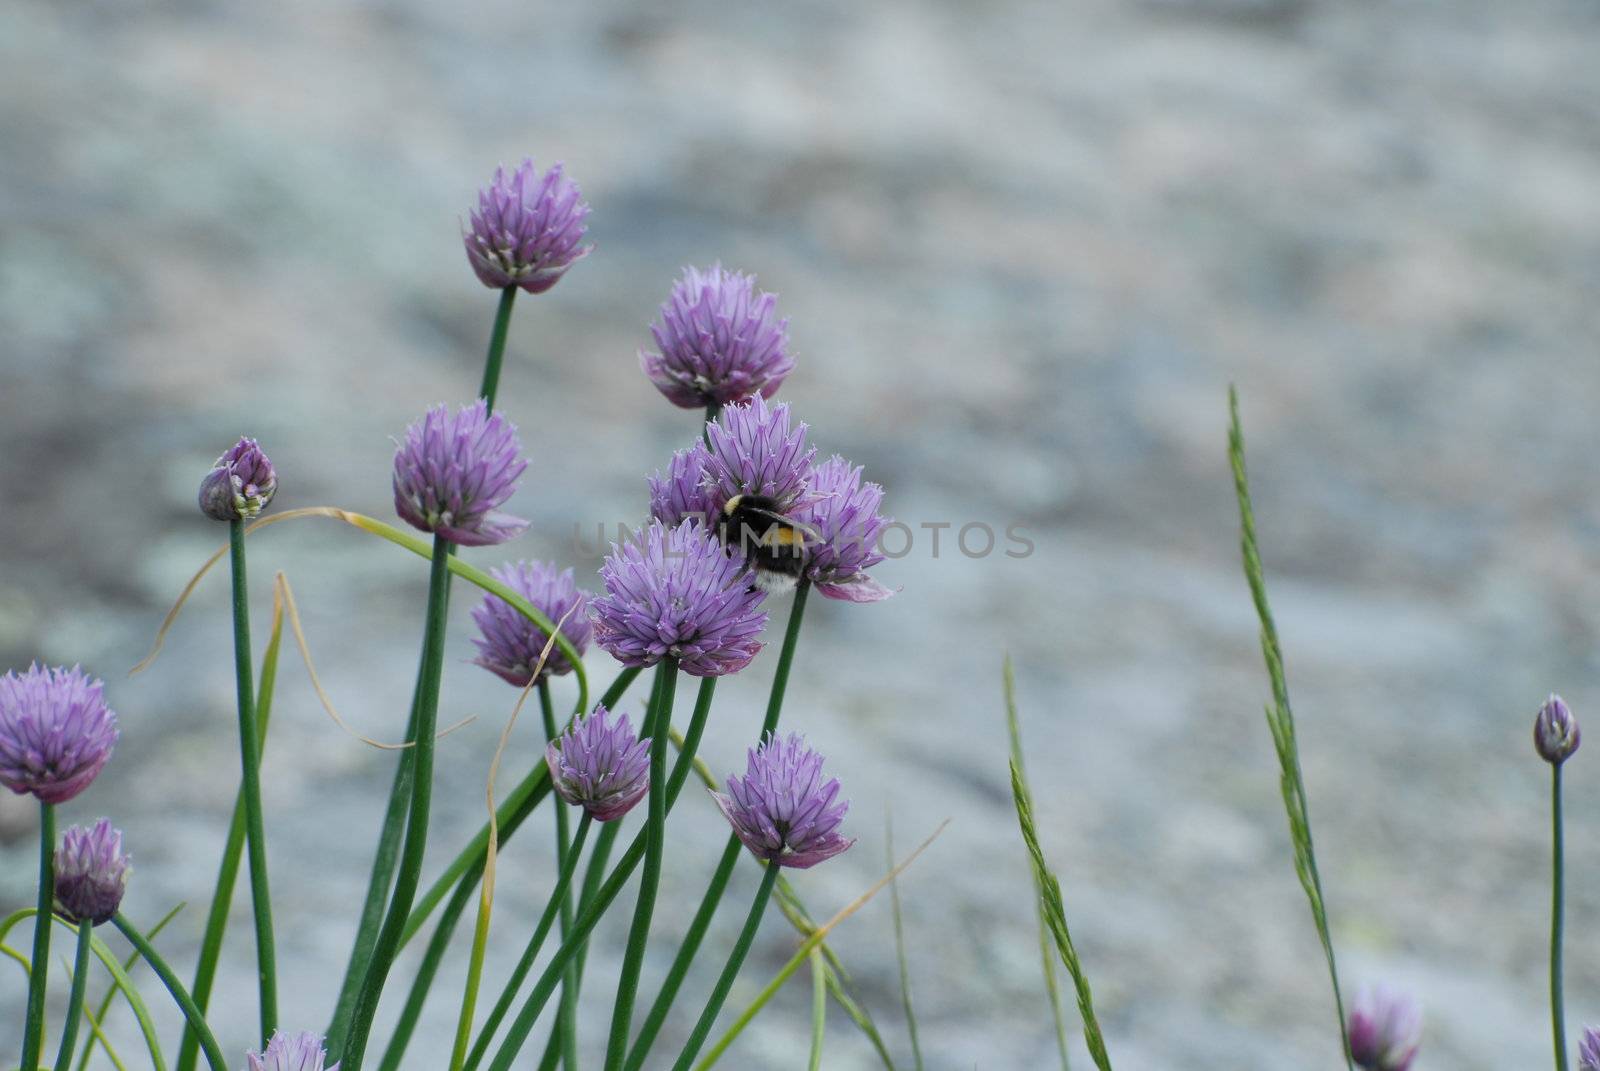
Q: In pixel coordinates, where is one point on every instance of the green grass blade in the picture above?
(900, 946)
(1047, 961)
(1280, 718)
(1056, 919)
(819, 1006)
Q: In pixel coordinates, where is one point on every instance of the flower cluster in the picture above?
(600, 765)
(91, 873)
(290, 1052)
(1589, 1050)
(240, 484)
(56, 732)
(1385, 1031)
(720, 341)
(676, 593)
(453, 471)
(527, 230)
(510, 645)
(782, 809)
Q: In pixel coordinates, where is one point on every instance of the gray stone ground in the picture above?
(1025, 247)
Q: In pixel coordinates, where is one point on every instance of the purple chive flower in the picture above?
(510, 644)
(91, 873)
(720, 341)
(240, 484)
(527, 229)
(751, 450)
(290, 1052)
(1555, 731)
(1385, 1030)
(453, 471)
(782, 809)
(681, 494)
(675, 592)
(845, 530)
(600, 766)
(1589, 1050)
(56, 732)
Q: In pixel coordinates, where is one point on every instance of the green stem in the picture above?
(791, 636)
(33, 1030)
(250, 785)
(407, 878)
(80, 976)
(567, 1021)
(379, 881)
(497, 346)
(1558, 1021)
(650, 880)
(522, 799)
(208, 1043)
(719, 994)
(718, 885)
(529, 954)
(205, 971)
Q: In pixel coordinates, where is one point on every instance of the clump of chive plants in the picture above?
(677, 598)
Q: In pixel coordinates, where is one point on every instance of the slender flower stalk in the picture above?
(80, 976)
(1555, 738)
(1558, 1019)
(650, 881)
(180, 995)
(33, 1027)
(250, 766)
(730, 971)
(228, 870)
(689, 947)
(409, 873)
(567, 1019)
(497, 347)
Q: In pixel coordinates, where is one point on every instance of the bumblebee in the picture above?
(774, 545)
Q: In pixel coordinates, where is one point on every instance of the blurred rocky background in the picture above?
(1024, 247)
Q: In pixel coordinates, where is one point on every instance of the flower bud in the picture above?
(1555, 731)
(91, 873)
(240, 484)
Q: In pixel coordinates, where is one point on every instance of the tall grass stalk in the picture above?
(1055, 914)
(1047, 960)
(1280, 719)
